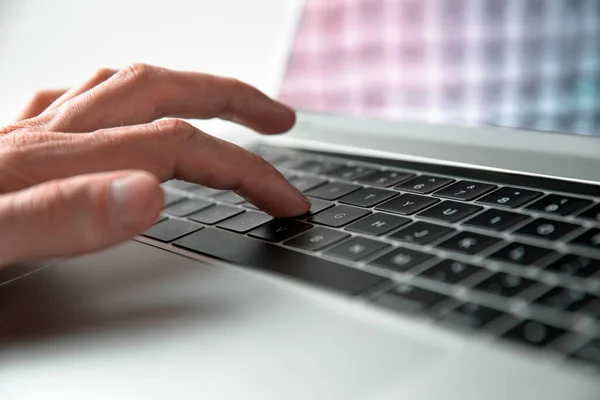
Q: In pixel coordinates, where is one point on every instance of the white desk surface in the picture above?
(54, 44)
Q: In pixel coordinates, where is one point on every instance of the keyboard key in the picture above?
(201, 191)
(421, 233)
(215, 214)
(306, 183)
(424, 184)
(465, 190)
(356, 249)
(317, 167)
(350, 173)
(409, 299)
(573, 265)
(339, 216)
(470, 316)
(543, 228)
(496, 220)
(378, 224)
(589, 238)
(522, 254)
(171, 229)
(249, 205)
(230, 197)
(510, 197)
(401, 259)
(407, 204)
(450, 271)
(534, 333)
(333, 190)
(318, 205)
(589, 352)
(450, 211)
(592, 213)
(506, 285)
(280, 229)
(254, 253)
(175, 184)
(385, 178)
(564, 299)
(468, 243)
(316, 239)
(559, 205)
(172, 198)
(367, 197)
(245, 222)
(187, 207)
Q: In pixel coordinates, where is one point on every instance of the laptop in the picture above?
(451, 151)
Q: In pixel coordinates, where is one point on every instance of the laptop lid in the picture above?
(515, 75)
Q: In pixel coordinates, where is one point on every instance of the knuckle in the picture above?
(176, 127)
(138, 72)
(102, 74)
(39, 96)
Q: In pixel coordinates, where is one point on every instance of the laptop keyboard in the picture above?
(512, 261)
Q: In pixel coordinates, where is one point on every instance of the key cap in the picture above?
(534, 333)
(401, 259)
(450, 211)
(230, 197)
(245, 222)
(215, 214)
(243, 250)
(465, 190)
(450, 271)
(339, 216)
(470, 316)
(318, 167)
(589, 238)
(506, 285)
(201, 191)
(318, 205)
(175, 184)
(421, 233)
(522, 254)
(378, 224)
(468, 242)
(509, 197)
(306, 183)
(280, 229)
(496, 220)
(367, 197)
(332, 190)
(559, 205)
(172, 198)
(548, 229)
(573, 265)
(356, 249)
(592, 213)
(424, 184)
(409, 299)
(350, 173)
(407, 204)
(385, 178)
(317, 238)
(589, 352)
(564, 299)
(189, 206)
(249, 205)
(171, 229)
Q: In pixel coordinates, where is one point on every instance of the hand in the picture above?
(82, 172)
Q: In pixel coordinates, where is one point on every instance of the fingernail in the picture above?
(125, 193)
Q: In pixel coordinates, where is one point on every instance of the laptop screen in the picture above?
(532, 64)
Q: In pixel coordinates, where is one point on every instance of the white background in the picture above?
(58, 43)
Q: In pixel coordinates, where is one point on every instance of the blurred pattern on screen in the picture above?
(519, 63)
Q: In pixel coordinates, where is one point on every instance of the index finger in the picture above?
(142, 93)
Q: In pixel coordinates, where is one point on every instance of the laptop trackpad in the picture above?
(147, 323)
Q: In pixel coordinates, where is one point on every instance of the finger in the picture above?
(99, 77)
(168, 149)
(141, 94)
(39, 102)
(77, 215)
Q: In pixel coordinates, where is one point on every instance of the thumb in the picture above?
(77, 215)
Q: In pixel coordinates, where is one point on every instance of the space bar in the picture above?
(242, 250)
